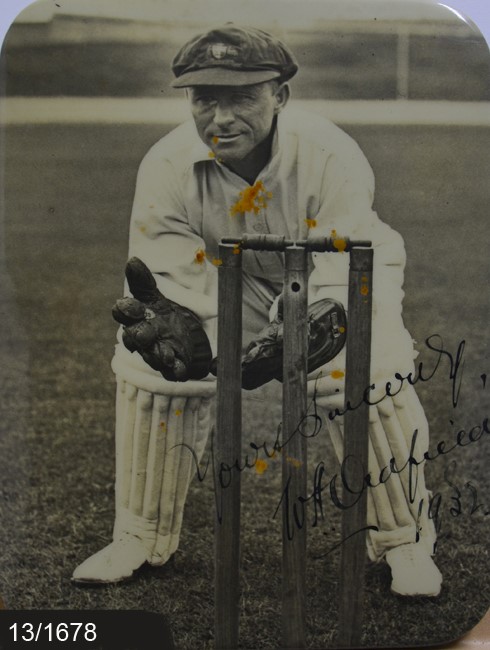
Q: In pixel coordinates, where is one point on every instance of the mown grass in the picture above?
(68, 197)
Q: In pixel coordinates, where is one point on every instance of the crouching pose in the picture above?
(249, 163)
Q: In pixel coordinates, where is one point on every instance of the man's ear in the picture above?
(282, 95)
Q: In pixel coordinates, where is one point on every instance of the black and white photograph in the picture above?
(245, 364)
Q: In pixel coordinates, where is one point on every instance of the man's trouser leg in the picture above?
(161, 432)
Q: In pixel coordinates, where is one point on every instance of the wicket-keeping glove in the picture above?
(170, 338)
(326, 337)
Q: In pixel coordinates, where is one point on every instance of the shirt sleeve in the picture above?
(346, 211)
(162, 237)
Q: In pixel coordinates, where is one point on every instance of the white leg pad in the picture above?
(399, 510)
(188, 426)
(161, 433)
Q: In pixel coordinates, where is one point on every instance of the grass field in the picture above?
(68, 193)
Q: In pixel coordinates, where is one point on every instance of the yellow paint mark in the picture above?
(364, 290)
(237, 250)
(364, 279)
(341, 329)
(163, 426)
(340, 244)
(215, 139)
(293, 461)
(178, 412)
(211, 154)
(200, 256)
(252, 199)
(337, 374)
(261, 466)
(311, 223)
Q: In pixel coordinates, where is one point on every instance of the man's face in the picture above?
(233, 120)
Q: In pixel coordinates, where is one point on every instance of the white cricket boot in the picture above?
(116, 562)
(413, 571)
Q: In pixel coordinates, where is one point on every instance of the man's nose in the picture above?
(223, 114)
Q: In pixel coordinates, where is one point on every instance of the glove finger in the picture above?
(180, 370)
(144, 335)
(152, 357)
(128, 311)
(166, 353)
(172, 368)
(128, 340)
(141, 282)
(251, 353)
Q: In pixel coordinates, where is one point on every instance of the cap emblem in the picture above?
(221, 50)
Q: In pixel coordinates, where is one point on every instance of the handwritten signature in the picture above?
(294, 505)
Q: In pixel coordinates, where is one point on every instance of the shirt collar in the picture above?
(199, 152)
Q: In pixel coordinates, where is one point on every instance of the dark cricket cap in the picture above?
(232, 56)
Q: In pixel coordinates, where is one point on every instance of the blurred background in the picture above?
(364, 50)
(85, 93)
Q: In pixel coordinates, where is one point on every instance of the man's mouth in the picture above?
(223, 138)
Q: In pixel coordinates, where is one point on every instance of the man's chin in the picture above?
(231, 149)
(228, 156)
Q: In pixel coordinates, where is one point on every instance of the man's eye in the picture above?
(240, 98)
(205, 100)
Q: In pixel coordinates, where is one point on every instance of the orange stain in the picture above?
(200, 256)
(364, 290)
(340, 244)
(216, 261)
(237, 250)
(178, 412)
(215, 139)
(252, 199)
(211, 154)
(142, 229)
(261, 466)
(311, 223)
(337, 374)
(293, 461)
(163, 426)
